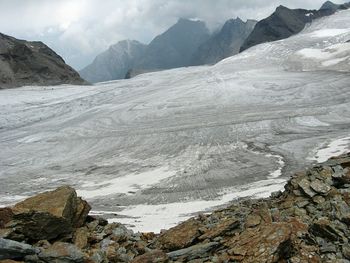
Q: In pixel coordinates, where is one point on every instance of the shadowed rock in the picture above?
(283, 23)
(12, 249)
(32, 63)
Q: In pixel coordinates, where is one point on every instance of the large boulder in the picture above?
(180, 236)
(48, 215)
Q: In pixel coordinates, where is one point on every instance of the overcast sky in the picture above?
(80, 29)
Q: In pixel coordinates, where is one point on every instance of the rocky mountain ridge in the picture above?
(171, 49)
(285, 22)
(308, 222)
(32, 63)
(186, 43)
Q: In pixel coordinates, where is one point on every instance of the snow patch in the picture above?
(334, 148)
(326, 53)
(278, 172)
(154, 218)
(125, 184)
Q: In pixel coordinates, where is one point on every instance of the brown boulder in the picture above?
(62, 202)
(268, 243)
(180, 236)
(48, 215)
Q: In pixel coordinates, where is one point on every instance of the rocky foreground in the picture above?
(308, 222)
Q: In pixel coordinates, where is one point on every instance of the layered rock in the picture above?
(308, 222)
(32, 63)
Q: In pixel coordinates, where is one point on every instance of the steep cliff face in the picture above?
(175, 47)
(227, 42)
(115, 62)
(283, 23)
(32, 63)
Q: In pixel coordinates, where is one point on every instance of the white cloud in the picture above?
(79, 29)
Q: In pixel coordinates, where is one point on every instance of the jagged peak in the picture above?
(329, 5)
(282, 8)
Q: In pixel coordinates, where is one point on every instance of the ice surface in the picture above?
(330, 32)
(164, 145)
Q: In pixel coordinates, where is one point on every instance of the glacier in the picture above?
(153, 150)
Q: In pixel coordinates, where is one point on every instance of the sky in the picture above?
(80, 29)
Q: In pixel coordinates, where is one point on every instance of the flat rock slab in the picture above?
(180, 236)
(10, 249)
(62, 252)
(320, 187)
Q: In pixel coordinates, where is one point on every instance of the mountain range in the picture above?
(186, 43)
(189, 43)
(172, 49)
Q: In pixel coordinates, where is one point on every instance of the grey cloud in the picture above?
(79, 29)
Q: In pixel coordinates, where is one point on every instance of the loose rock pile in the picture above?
(308, 222)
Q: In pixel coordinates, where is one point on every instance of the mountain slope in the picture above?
(32, 63)
(115, 62)
(175, 47)
(283, 23)
(225, 43)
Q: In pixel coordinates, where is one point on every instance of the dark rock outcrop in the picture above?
(308, 222)
(227, 42)
(175, 47)
(32, 63)
(285, 22)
